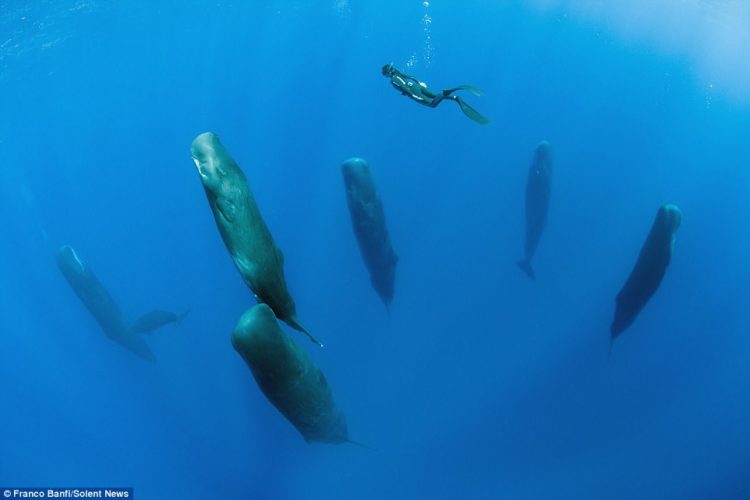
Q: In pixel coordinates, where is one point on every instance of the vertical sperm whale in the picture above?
(245, 234)
(368, 222)
(649, 269)
(537, 203)
(105, 310)
(288, 377)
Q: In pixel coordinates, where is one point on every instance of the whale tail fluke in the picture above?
(525, 266)
(137, 345)
(294, 323)
(386, 299)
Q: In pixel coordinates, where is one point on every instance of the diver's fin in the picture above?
(467, 88)
(471, 112)
(292, 321)
(471, 89)
(357, 443)
(526, 267)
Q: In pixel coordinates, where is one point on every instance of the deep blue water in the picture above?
(477, 383)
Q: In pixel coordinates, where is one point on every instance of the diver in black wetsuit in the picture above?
(413, 88)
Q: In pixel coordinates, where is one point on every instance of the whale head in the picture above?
(73, 268)
(207, 152)
(68, 259)
(357, 178)
(354, 169)
(544, 149)
(543, 158)
(225, 184)
(670, 216)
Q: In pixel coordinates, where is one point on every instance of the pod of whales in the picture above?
(649, 269)
(245, 234)
(105, 310)
(288, 377)
(537, 203)
(368, 221)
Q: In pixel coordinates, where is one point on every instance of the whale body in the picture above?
(368, 222)
(538, 187)
(245, 234)
(100, 303)
(288, 377)
(649, 269)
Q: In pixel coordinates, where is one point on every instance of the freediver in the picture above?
(413, 88)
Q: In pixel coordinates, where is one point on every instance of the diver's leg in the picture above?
(435, 101)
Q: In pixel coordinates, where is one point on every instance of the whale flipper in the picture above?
(181, 316)
(361, 445)
(292, 321)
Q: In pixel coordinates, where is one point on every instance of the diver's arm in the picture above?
(415, 91)
(404, 77)
(407, 91)
(404, 86)
(418, 88)
(400, 85)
